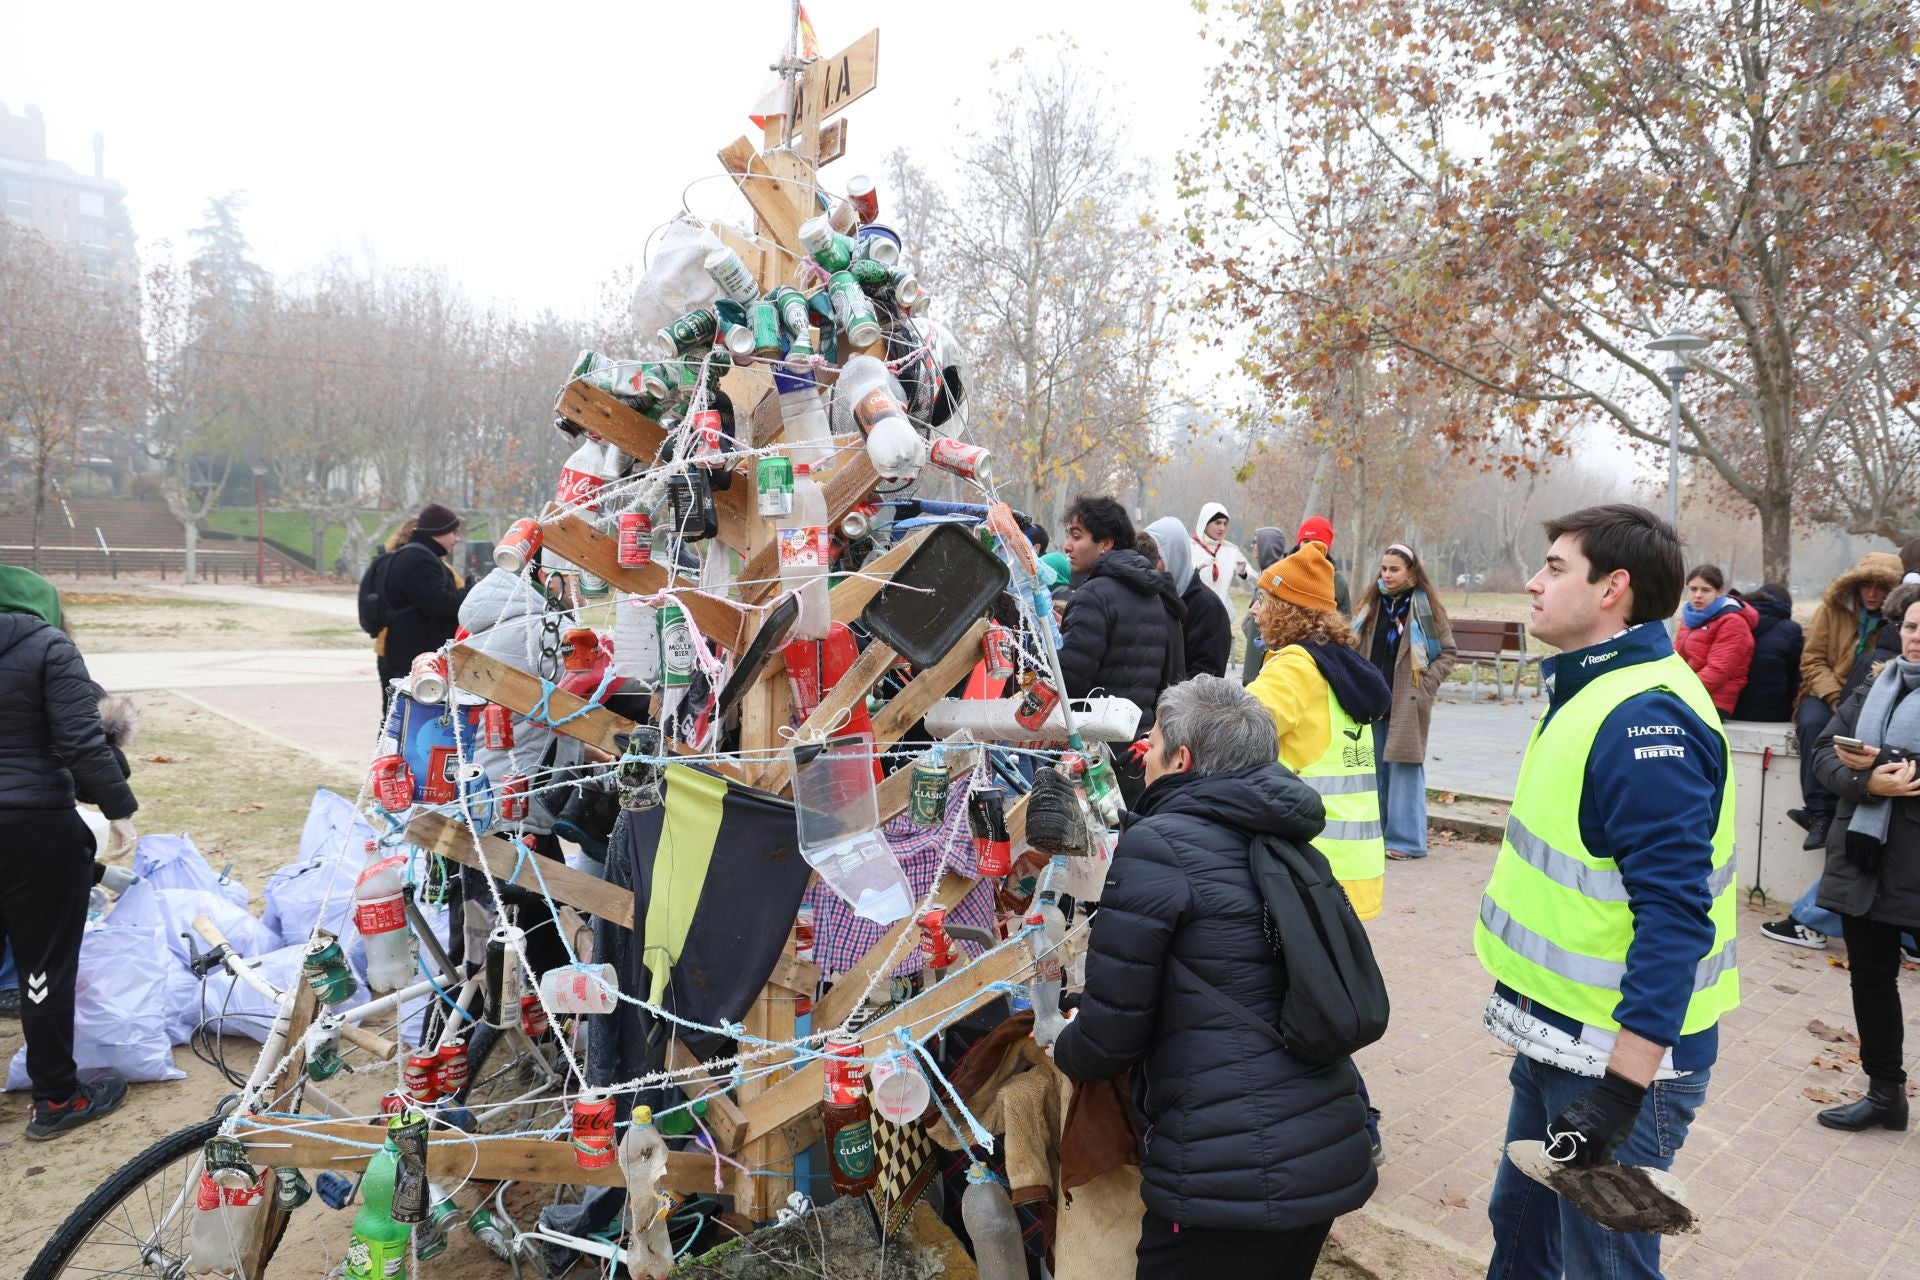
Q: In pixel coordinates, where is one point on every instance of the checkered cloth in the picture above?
(840, 937)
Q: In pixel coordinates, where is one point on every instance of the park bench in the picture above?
(1480, 641)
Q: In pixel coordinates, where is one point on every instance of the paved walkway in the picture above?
(1475, 746)
(1780, 1196)
(127, 672)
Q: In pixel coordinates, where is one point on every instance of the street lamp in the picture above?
(1678, 345)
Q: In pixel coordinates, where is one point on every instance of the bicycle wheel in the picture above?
(136, 1223)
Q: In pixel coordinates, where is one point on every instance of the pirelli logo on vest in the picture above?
(1658, 753)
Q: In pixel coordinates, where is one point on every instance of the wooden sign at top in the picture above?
(832, 84)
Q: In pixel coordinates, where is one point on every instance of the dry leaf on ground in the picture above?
(1820, 1096)
(1838, 1035)
(1454, 1201)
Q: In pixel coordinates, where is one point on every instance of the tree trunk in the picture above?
(39, 511)
(1317, 487)
(192, 532)
(1776, 535)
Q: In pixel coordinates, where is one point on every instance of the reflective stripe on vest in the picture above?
(1555, 924)
(1344, 776)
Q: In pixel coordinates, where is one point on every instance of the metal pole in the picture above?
(1673, 447)
(260, 527)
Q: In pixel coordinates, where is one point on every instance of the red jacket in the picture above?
(1720, 653)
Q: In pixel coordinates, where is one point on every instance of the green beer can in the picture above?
(927, 799)
(764, 320)
(775, 477)
(676, 648)
(694, 329)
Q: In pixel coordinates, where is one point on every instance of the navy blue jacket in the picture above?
(1236, 1132)
(1122, 635)
(1653, 813)
(1773, 677)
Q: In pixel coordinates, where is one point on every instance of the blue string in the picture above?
(540, 714)
(980, 1134)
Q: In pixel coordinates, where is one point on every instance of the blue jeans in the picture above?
(1403, 798)
(1535, 1232)
(8, 978)
(1807, 911)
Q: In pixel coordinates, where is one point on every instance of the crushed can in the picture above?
(325, 969)
(290, 1189)
(635, 546)
(519, 544)
(936, 947)
(1036, 704)
(408, 1131)
(392, 783)
(322, 1047)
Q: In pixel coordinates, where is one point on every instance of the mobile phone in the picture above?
(1853, 743)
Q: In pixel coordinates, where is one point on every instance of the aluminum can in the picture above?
(864, 198)
(427, 681)
(593, 586)
(736, 340)
(763, 320)
(325, 969)
(690, 504)
(775, 476)
(694, 329)
(393, 1103)
(803, 933)
(408, 1131)
(829, 248)
(496, 728)
(987, 821)
(392, 783)
(843, 1072)
(580, 649)
(322, 1047)
(452, 1068)
(731, 274)
(519, 544)
(636, 539)
(996, 649)
(290, 1189)
(708, 436)
(958, 456)
(676, 647)
(430, 1237)
(795, 318)
(533, 1016)
(1036, 704)
(882, 244)
(927, 798)
(512, 799)
(421, 1075)
(869, 273)
(852, 310)
(935, 945)
(593, 1131)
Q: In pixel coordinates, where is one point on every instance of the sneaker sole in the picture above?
(1795, 942)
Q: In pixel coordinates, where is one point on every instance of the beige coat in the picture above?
(1412, 714)
(1827, 659)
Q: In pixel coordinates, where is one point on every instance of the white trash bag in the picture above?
(172, 862)
(119, 1018)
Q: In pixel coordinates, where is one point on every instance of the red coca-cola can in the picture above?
(1036, 704)
(421, 1076)
(843, 1072)
(533, 1016)
(392, 783)
(496, 728)
(865, 199)
(452, 1068)
(935, 945)
(427, 681)
(394, 1103)
(580, 649)
(958, 456)
(519, 544)
(593, 1131)
(996, 647)
(512, 798)
(635, 546)
(803, 933)
(707, 435)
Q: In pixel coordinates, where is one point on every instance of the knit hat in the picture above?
(24, 591)
(436, 519)
(1304, 578)
(1315, 529)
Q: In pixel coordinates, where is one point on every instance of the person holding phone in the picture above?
(1869, 757)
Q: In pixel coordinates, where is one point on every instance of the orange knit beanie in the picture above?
(1304, 578)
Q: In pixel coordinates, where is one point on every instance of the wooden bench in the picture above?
(1498, 643)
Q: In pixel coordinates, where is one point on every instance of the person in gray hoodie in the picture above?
(1208, 630)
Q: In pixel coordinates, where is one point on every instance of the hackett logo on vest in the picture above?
(1653, 731)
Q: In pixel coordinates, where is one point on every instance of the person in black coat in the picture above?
(1122, 629)
(1247, 1153)
(421, 591)
(52, 742)
(1773, 676)
(1208, 630)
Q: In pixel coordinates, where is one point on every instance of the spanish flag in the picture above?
(773, 98)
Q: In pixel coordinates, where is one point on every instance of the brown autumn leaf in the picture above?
(1454, 1201)
(1838, 1035)
(1820, 1096)
(166, 759)
(1837, 962)
(1828, 1064)
(254, 807)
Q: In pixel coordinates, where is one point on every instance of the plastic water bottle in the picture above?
(380, 914)
(379, 1247)
(1047, 946)
(804, 413)
(805, 548)
(226, 1214)
(896, 448)
(992, 1227)
(636, 640)
(583, 476)
(643, 1160)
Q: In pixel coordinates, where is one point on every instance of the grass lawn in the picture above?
(295, 529)
(117, 622)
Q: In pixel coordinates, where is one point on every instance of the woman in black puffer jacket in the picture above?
(50, 738)
(1247, 1153)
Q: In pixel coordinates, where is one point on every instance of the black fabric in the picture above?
(1236, 1132)
(1873, 972)
(1356, 682)
(1180, 1251)
(1208, 631)
(423, 605)
(1810, 720)
(1884, 647)
(43, 912)
(1123, 634)
(1890, 891)
(50, 729)
(1387, 633)
(1773, 676)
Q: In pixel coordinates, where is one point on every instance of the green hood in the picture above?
(24, 591)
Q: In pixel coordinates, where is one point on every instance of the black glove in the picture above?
(1595, 1124)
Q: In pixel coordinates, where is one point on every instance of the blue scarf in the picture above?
(1697, 618)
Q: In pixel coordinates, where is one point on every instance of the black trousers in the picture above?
(1873, 971)
(46, 869)
(1170, 1251)
(1809, 722)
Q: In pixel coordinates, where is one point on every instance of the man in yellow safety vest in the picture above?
(1608, 924)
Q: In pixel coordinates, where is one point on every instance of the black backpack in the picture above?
(373, 593)
(1336, 1001)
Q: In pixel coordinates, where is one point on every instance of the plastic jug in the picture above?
(838, 819)
(580, 989)
(378, 1250)
(805, 549)
(804, 412)
(897, 449)
(226, 1216)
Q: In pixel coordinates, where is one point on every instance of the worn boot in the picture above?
(1885, 1106)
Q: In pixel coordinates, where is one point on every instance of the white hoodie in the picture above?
(1217, 563)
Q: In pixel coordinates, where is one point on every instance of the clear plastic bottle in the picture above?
(1047, 946)
(379, 1247)
(583, 476)
(380, 914)
(580, 988)
(804, 411)
(992, 1226)
(636, 640)
(894, 445)
(805, 548)
(226, 1214)
(643, 1160)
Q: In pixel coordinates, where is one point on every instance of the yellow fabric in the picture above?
(1588, 935)
(1305, 713)
(695, 804)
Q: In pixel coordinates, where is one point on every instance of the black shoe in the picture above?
(1794, 934)
(9, 1002)
(1885, 1106)
(1800, 816)
(89, 1102)
(1054, 820)
(1817, 833)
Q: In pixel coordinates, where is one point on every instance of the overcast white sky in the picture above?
(525, 148)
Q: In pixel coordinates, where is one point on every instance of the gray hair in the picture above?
(1225, 727)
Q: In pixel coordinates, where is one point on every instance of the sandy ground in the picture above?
(131, 618)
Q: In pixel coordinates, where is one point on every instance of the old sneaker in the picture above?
(89, 1102)
(1794, 934)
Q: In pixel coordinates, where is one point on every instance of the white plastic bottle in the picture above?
(895, 447)
(804, 411)
(805, 548)
(643, 1161)
(380, 914)
(992, 1227)
(636, 640)
(226, 1212)
(1047, 946)
(583, 476)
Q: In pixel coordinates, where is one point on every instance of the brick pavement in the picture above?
(1780, 1196)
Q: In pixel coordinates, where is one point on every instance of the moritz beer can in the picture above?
(520, 544)
(996, 648)
(325, 969)
(864, 198)
(421, 1075)
(636, 538)
(451, 1068)
(694, 329)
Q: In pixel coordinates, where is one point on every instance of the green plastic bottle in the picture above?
(379, 1248)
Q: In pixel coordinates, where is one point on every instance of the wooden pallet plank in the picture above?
(496, 681)
(451, 839)
(720, 621)
(723, 1119)
(769, 197)
(832, 1009)
(931, 685)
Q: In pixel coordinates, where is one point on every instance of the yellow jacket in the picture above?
(1294, 692)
